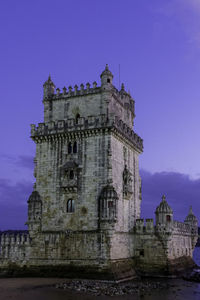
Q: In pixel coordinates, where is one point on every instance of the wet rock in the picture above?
(98, 288)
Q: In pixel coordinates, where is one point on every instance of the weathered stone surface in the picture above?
(83, 215)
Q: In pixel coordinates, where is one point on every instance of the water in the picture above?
(44, 289)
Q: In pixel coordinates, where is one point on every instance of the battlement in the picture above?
(175, 227)
(128, 132)
(141, 228)
(70, 92)
(92, 122)
(121, 96)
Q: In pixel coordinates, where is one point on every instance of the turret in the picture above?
(106, 78)
(191, 219)
(193, 222)
(164, 213)
(34, 211)
(48, 88)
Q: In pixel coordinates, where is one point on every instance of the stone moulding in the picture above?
(53, 131)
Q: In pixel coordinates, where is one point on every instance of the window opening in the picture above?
(70, 206)
(71, 174)
(70, 147)
(142, 252)
(75, 147)
(77, 118)
(108, 80)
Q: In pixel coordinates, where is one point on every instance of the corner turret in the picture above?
(164, 213)
(193, 222)
(106, 78)
(48, 88)
(34, 211)
(191, 219)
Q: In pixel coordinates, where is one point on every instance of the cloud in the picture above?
(14, 192)
(23, 161)
(180, 190)
(13, 204)
(193, 4)
(184, 13)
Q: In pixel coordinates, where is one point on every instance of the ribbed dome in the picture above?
(35, 196)
(191, 217)
(108, 192)
(106, 72)
(164, 207)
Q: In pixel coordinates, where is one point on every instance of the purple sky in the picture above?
(156, 43)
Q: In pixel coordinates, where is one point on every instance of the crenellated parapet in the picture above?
(128, 133)
(124, 99)
(54, 128)
(73, 92)
(147, 227)
(144, 226)
(121, 96)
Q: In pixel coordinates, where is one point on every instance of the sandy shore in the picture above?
(44, 288)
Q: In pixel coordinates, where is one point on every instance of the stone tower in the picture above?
(86, 168)
(84, 211)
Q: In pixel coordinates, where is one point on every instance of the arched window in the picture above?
(77, 118)
(108, 204)
(70, 147)
(75, 147)
(71, 174)
(70, 206)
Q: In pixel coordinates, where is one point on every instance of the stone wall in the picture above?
(155, 247)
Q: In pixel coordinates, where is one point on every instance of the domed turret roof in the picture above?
(106, 72)
(191, 217)
(164, 207)
(108, 192)
(35, 196)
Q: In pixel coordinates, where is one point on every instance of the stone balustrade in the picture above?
(181, 228)
(14, 244)
(9, 238)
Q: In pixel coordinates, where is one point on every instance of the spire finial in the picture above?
(163, 198)
(48, 87)
(190, 210)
